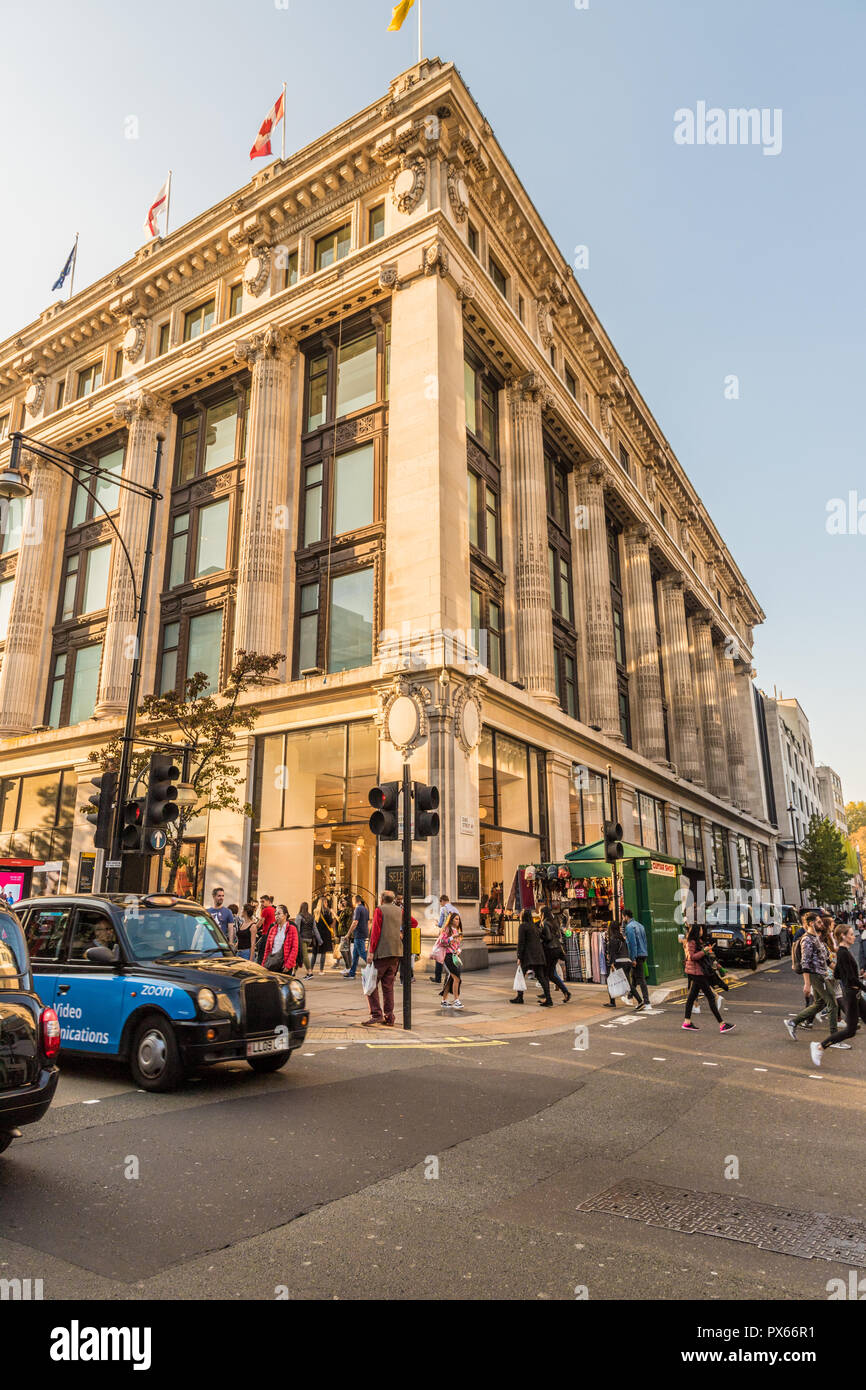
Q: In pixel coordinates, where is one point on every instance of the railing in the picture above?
(500, 934)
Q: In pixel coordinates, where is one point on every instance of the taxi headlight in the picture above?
(206, 1000)
(295, 991)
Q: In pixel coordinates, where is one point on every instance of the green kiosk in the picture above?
(651, 882)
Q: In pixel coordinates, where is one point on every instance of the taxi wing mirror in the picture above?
(100, 955)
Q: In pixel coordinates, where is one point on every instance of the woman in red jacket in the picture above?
(282, 937)
(698, 982)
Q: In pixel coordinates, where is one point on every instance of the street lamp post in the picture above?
(791, 810)
(83, 471)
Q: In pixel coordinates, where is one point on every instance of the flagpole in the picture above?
(74, 264)
(167, 202)
(283, 155)
(420, 31)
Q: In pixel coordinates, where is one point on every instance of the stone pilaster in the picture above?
(682, 711)
(731, 726)
(600, 705)
(559, 781)
(265, 540)
(145, 416)
(643, 659)
(710, 704)
(33, 601)
(534, 622)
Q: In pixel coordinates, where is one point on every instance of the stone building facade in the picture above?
(402, 451)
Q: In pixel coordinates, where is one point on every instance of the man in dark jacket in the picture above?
(530, 954)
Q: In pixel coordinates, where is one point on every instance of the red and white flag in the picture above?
(277, 113)
(157, 208)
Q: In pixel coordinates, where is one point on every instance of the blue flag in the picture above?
(58, 283)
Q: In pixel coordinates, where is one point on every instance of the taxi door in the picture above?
(45, 929)
(89, 997)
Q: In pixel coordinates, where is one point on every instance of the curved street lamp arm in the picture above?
(54, 455)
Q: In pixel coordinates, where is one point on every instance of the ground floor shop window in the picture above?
(744, 858)
(693, 847)
(721, 867)
(587, 804)
(36, 814)
(311, 813)
(512, 812)
(651, 816)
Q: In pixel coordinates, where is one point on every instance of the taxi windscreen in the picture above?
(13, 952)
(158, 933)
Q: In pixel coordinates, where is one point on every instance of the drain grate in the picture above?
(807, 1235)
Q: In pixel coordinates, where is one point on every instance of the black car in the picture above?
(736, 939)
(151, 979)
(29, 1038)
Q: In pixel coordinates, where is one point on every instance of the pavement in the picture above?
(451, 1164)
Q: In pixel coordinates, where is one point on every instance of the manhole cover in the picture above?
(806, 1234)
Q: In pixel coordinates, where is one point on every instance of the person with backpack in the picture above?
(796, 959)
(812, 958)
(699, 983)
(847, 972)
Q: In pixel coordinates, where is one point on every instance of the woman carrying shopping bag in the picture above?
(619, 964)
(452, 940)
(530, 955)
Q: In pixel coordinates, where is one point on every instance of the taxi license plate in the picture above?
(265, 1045)
(722, 936)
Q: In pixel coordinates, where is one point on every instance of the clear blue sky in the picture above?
(704, 261)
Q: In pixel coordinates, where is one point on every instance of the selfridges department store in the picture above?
(402, 451)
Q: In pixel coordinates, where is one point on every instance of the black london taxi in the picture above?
(152, 980)
(737, 939)
(29, 1038)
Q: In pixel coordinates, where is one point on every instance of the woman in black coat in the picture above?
(530, 954)
(554, 951)
(618, 957)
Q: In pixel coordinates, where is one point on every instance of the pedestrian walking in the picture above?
(325, 923)
(451, 937)
(554, 951)
(698, 982)
(267, 916)
(398, 902)
(247, 929)
(797, 958)
(847, 972)
(530, 955)
(618, 957)
(386, 948)
(281, 946)
(307, 935)
(360, 930)
(445, 910)
(342, 949)
(815, 960)
(635, 935)
(221, 914)
(233, 925)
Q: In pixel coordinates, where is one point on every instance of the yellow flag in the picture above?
(400, 13)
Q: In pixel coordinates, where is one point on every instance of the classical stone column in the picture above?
(265, 540)
(682, 711)
(145, 416)
(646, 683)
(534, 650)
(731, 726)
(601, 701)
(33, 601)
(710, 705)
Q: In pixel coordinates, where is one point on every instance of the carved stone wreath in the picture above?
(257, 270)
(407, 190)
(392, 700)
(35, 395)
(436, 259)
(133, 342)
(468, 713)
(457, 192)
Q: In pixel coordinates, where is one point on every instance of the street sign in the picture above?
(114, 863)
(157, 839)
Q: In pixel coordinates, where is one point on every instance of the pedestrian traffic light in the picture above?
(161, 799)
(101, 804)
(426, 809)
(613, 848)
(384, 821)
(132, 817)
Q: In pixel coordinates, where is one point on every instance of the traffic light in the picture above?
(101, 803)
(384, 821)
(132, 817)
(161, 799)
(426, 808)
(613, 849)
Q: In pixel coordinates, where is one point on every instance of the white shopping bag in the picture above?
(369, 977)
(519, 981)
(617, 984)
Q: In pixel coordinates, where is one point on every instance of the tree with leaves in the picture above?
(855, 812)
(207, 726)
(823, 863)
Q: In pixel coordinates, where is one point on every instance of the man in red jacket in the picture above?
(386, 949)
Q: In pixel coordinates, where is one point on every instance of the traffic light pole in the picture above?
(113, 872)
(407, 899)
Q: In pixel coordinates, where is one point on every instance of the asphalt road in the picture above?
(389, 1170)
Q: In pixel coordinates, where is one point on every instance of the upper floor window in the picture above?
(199, 320)
(557, 491)
(162, 344)
(487, 630)
(339, 494)
(663, 516)
(103, 493)
(89, 380)
(211, 436)
(521, 308)
(481, 406)
(560, 583)
(7, 588)
(292, 269)
(11, 524)
(4, 427)
(347, 376)
(570, 382)
(332, 247)
(624, 459)
(472, 236)
(199, 543)
(376, 223)
(236, 300)
(117, 367)
(61, 395)
(73, 686)
(498, 276)
(190, 645)
(85, 582)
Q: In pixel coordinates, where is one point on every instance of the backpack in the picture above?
(797, 961)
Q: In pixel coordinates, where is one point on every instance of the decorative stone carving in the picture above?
(468, 716)
(468, 289)
(458, 193)
(544, 314)
(133, 340)
(35, 394)
(436, 259)
(257, 270)
(403, 715)
(142, 405)
(388, 276)
(409, 184)
(271, 342)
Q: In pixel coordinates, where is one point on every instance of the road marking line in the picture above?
(430, 1047)
(759, 1068)
(619, 1054)
(660, 1059)
(709, 1064)
(813, 1076)
(90, 1102)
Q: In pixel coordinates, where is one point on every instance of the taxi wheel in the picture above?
(155, 1059)
(753, 961)
(5, 1141)
(272, 1063)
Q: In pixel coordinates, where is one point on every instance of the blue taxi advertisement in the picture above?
(152, 980)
